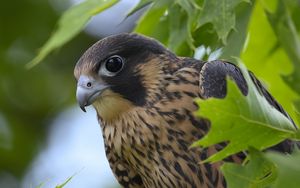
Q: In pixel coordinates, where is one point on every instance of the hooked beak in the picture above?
(88, 90)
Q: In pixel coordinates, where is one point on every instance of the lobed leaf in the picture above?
(237, 40)
(243, 121)
(267, 59)
(221, 14)
(288, 168)
(183, 23)
(255, 173)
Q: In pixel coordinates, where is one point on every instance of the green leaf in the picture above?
(65, 183)
(288, 38)
(140, 5)
(204, 36)
(178, 26)
(243, 121)
(237, 39)
(297, 105)
(288, 169)
(148, 23)
(268, 61)
(161, 32)
(221, 14)
(70, 24)
(256, 173)
(183, 15)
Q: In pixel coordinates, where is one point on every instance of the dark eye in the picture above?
(114, 64)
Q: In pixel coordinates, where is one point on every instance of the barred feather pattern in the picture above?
(149, 146)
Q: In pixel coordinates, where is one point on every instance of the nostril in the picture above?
(89, 84)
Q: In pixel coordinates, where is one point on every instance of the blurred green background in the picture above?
(30, 100)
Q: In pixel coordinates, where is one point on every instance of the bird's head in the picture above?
(118, 73)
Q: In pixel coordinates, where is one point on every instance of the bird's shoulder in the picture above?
(180, 87)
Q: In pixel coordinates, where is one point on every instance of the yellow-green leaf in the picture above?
(268, 60)
(65, 183)
(288, 169)
(257, 172)
(287, 35)
(148, 22)
(243, 121)
(70, 24)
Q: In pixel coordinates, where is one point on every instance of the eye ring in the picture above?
(112, 66)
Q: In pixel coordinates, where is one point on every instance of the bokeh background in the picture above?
(44, 137)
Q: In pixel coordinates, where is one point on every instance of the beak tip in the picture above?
(88, 91)
(83, 108)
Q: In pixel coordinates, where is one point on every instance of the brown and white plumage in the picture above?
(143, 95)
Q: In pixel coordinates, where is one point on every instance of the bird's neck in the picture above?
(128, 131)
(111, 106)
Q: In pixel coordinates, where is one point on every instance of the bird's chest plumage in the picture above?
(153, 142)
(149, 147)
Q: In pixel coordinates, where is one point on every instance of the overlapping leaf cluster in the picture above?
(247, 122)
(183, 25)
(243, 121)
(264, 34)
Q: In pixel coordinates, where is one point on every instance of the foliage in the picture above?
(267, 59)
(221, 14)
(264, 34)
(41, 185)
(238, 120)
(257, 171)
(288, 38)
(71, 23)
(246, 123)
(65, 183)
(270, 169)
(31, 99)
(288, 168)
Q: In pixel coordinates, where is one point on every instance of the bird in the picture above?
(144, 98)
